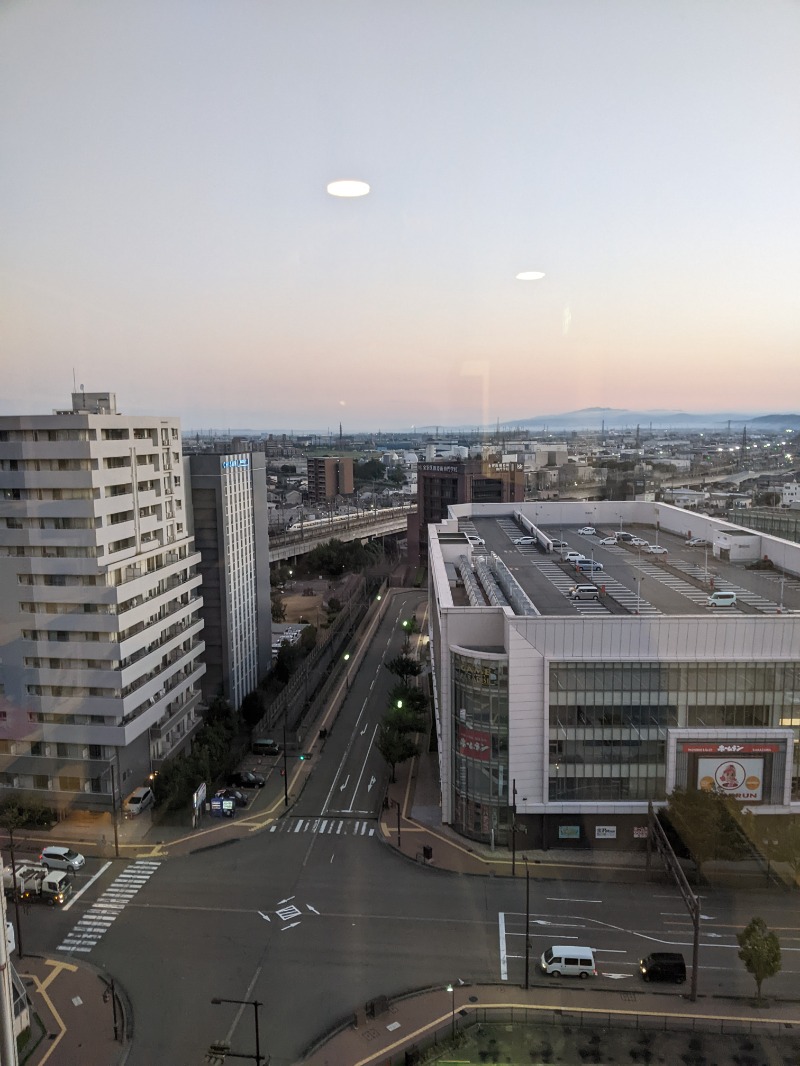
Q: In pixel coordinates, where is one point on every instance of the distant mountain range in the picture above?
(596, 418)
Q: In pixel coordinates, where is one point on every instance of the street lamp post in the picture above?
(451, 988)
(514, 827)
(346, 658)
(255, 1004)
(527, 924)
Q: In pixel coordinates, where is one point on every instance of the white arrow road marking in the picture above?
(283, 930)
(540, 921)
(312, 909)
(561, 899)
(266, 917)
(501, 921)
(717, 936)
(363, 731)
(282, 901)
(344, 786)
(616, 976)
(708, 917)
(372, 781)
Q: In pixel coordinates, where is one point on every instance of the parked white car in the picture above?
(524, 540)
(656, 549)
(696, 542)
(587, 531)
(609, 540)
(573, 557)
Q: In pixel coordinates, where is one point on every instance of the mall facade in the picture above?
(575, 713)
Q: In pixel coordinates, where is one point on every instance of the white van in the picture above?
(584, 592)
(568, 961)
(721, 599)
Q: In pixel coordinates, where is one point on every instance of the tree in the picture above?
(395, 745)
(405, 667)
(278, 606)
(760, 951)
(707, 823)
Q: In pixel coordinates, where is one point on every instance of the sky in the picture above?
(166, 233)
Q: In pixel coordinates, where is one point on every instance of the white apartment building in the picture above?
(100, 627)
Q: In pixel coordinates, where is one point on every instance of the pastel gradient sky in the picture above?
(166, 230)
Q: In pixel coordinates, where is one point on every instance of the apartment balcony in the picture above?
(147, 713)
(60, 449)
(49, 508)
(77, 649)
(174, 715)
(48, 479)
(75, 594)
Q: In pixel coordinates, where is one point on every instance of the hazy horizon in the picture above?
(168, 235)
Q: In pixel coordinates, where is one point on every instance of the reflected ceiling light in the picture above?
(530, 275)
(348, 187)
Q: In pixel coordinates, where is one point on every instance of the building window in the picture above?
(69, 784)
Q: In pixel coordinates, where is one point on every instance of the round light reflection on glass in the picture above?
(348, 187)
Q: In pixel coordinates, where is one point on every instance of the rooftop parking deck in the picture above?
(633, 580)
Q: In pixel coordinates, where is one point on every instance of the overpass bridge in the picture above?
(365, 526)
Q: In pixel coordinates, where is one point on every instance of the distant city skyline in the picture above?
(168, 235)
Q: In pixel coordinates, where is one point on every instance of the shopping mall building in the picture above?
(578, 711)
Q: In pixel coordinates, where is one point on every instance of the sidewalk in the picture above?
(71, 1024)
(432, 1016)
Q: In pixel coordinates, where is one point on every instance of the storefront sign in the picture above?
(569, 832)
(742, 779)
(473, 744)
(605, 832)
(729, 749)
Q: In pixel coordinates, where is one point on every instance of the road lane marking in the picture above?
(563, 899)
(363, 768)
(501, 921)
(90, 882)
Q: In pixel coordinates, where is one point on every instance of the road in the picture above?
(318, 916)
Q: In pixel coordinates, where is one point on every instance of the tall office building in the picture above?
(443, 482)
(100, 622)
(329, 476)
(229, 518)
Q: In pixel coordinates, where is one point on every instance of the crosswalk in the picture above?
(91, 928)
(354, 827)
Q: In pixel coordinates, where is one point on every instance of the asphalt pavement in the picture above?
(78, 1021)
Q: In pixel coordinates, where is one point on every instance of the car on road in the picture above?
(696, 542)
(625, 537)
(246, 779)
(474, 539)
(265, 746)
(560, 546)
(58, 858)
(637, 542)
(524, 540)
(608, 540)
(234, 794)
(139, 800)
(663, 966)
(656, 549)
(568, 961)
(587, 531)
(573, 557)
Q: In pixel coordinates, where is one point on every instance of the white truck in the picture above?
(35, 882)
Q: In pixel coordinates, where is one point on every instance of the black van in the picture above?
(663, 966)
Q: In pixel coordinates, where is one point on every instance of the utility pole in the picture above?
(8, 1043)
